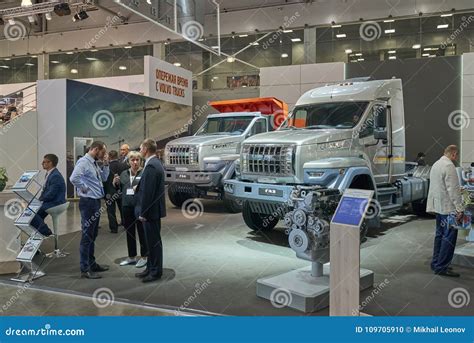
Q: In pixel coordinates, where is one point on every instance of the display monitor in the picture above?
(350, 211)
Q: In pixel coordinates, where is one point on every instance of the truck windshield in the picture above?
(225, 126)
(332, 115)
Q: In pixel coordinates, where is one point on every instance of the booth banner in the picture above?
(165, 81)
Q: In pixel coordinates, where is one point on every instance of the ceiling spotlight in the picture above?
(5, 67)
(446, 15)
(294, 40)
(348, 51)
(416, 46)
(358, 54)
(11, 21)
(177, 64)
(92, 59)
(360, 59)
(392, 57)
(123, 68)
(284, 55)
(94, 50)
(425, 55)
(81, 15)
(231, 59)
(127, 47)
(26, 3)
(31, 19)
(392, 51)
(55, 62)
(148, 2)
(29, 64)
(74, 71)
(70, 53)
(215, 47)
(287, 31)
(48, 16)
(389, 21)
(341, 35)
(443, 26)
(254, 43)
(390, 31)
(62, 9)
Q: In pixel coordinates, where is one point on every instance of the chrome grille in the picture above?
(268, 159)
(181, 155)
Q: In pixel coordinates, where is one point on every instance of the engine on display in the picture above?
(308, 221)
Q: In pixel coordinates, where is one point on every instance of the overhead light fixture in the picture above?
(360, 59)
(148, 2)
(94, 50)
(123, 68)
(55, 62)
(215, 46)
(127, 47)
(31, 19)
(241, 36)
(427, 49)
(74, 71)
(177, 64)
(29, 64)
(425, 55)
(430, 56)
(11, 21)
(34, 56)
(392, 57)
(416, 46)
(284, 55)
(348, 51)
(70, 53)
(231, 59)
(5, 67)
(81, 15)
(389, 21)
(287, 31)
(48, 16)
(341, 35)
(7, 59)
(200, 39)
(255, 43)
(390, 31)
(92, 59)
(443, 26)
(26, 3)
(62, 9)
(392, 51)
(294, 40)
(359, 54)
(446, 15)
(336, 26)
(215, 77)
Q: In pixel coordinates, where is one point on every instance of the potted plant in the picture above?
(3, 178)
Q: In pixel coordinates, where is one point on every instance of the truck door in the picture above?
(376, 141)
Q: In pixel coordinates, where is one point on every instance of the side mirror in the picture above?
(381, 117)
(380, 134)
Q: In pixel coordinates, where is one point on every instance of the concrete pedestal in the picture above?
(299, 290)
(464, 255)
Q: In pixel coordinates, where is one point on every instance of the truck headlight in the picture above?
(344, 144)
(214, 166)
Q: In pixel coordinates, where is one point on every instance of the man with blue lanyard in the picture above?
(88, 179)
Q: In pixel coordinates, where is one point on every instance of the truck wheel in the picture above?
(176, 198)
(258, 221)
(419, 208)
(232, 206)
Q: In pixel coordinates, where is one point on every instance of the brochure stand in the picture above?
(27, 188)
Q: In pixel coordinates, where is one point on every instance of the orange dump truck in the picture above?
(196, 166)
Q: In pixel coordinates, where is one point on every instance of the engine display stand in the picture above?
(302, 291)
(464, 254)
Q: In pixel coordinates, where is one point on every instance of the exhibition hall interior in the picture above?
(236, 158)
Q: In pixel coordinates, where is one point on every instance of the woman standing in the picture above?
(126, 182)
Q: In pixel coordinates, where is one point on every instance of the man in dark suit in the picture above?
(54, 193)
(112, 198)
(150, 208)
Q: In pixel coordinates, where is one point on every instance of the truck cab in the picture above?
(196, 166)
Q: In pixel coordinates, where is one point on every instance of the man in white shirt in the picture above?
(444, 198)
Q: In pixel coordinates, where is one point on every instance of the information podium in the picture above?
(345, 252)
(28, 188)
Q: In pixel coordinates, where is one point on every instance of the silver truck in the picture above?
(196, 166)
(346, 135)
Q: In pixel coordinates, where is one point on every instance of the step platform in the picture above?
(464, 255)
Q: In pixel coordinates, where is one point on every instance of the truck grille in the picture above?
(268, 159)
(181, 155)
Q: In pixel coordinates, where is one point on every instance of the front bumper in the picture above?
(258, 192)
(198, 178)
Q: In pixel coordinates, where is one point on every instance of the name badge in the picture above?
(130, 191)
